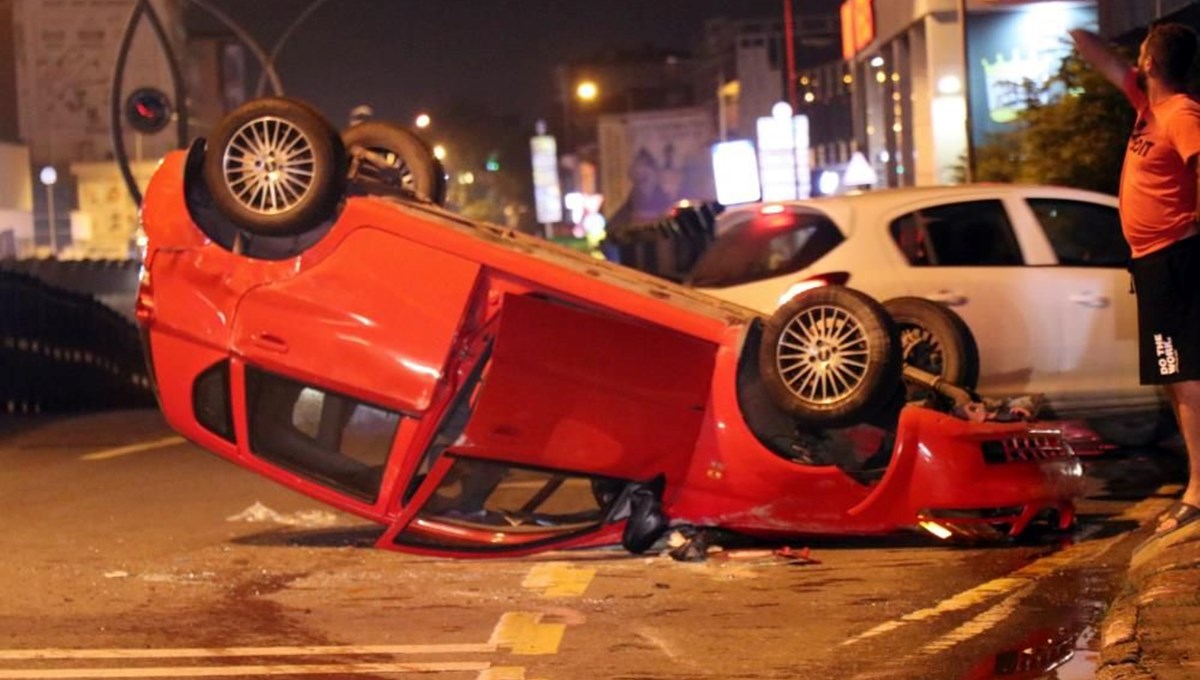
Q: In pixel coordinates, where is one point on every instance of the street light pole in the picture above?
(969, 170)
(49, 176)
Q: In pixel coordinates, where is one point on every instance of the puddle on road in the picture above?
(1053, 653)
(1064, 641)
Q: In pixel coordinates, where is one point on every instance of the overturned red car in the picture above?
(312, 314)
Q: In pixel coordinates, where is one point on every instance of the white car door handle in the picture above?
(1089, 300)
(948, 298)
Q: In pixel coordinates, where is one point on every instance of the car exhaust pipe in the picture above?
(959, 395)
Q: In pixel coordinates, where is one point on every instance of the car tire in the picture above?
(830, 357)
(275, 167)
(1135, 430)
(936, 340)
(409, 162)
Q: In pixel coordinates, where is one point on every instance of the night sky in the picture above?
(405, 56)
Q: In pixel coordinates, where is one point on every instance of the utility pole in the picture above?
(789, 39)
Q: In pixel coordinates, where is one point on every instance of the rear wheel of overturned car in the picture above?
(385, 156)
(275, 166)
(936, 340)
(830, 357)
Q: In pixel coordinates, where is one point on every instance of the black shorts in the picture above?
(1167, 283)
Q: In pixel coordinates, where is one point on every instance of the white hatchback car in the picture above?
(1038, 273)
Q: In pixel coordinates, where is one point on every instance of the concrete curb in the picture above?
(1149, 632)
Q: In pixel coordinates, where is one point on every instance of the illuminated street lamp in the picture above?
(422, 120)
(439, 152)
(587, 91)
(49, 177)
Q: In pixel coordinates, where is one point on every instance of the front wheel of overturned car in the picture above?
(275, 167)
(830, 357)
(936, 340)
(386, 156)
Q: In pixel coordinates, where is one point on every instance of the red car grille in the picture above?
(1025, 449)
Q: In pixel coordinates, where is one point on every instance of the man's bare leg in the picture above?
(1185, 400)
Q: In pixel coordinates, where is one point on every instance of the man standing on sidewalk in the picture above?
(1158, 217)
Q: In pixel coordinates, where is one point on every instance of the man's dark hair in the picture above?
(1173, 47)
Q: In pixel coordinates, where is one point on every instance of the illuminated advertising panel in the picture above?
(735, 168)
(1006, 49)
(783, 150)
(547, 194)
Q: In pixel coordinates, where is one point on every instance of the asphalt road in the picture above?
(129, 553)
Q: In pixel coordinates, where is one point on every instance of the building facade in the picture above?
(924, 82)
(56, 85)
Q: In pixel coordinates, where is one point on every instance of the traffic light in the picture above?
(148, 110)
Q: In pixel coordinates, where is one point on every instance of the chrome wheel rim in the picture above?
(823, 353)
(394, 171)
(269, 165)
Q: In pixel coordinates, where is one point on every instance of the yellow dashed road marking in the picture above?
(1078, 553)
(526, 635)
(502, 673)
(982, 623)
(133, 448)
(559, 579)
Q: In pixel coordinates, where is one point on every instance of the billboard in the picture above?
(652, 160)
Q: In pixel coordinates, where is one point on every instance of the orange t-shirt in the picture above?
(1158, 180)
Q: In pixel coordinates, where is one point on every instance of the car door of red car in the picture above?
(575, 407)
(335, 367)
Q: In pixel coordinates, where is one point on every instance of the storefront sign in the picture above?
(858, 26)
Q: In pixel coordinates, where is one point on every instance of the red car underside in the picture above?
(479, 392)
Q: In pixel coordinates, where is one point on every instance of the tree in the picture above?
(1072, 132)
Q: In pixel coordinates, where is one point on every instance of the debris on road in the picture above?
(305, 518)
(691, 545)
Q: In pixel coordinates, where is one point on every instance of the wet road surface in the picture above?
(130, 553)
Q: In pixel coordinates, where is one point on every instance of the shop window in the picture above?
(1082, 234)
(969, 234)
(330, 438)
(765, 246)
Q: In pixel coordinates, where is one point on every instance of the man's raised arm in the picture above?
(1101, 55)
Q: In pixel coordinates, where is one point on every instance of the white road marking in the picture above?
(520, 633)
(134, 448)
(224, 652)
(334, 669)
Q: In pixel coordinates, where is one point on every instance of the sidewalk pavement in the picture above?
(1152, 630)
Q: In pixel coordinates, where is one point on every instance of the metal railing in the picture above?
(62, 351)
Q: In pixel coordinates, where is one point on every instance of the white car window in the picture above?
(1082, 234)
(968, 234)
(765, 246)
